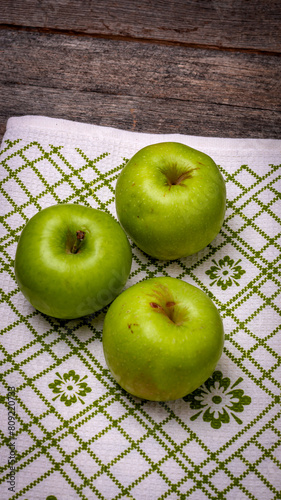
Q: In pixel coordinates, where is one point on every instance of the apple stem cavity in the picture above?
(80, 235)
(175, 177)
(167, 310)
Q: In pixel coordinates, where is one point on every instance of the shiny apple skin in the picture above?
(160, 354)
(170, 200)
(69, 285)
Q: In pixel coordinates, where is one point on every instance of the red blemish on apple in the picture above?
(130, 326)
(166, 310)
(170, 304)
(155, 306)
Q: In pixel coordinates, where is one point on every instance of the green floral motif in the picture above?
(70, 387)
(225, 272)
(219, 400)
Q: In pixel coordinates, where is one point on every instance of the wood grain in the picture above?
(138, 114)
(205, 67)
(250, 25)
(137, 86)
(94, 65)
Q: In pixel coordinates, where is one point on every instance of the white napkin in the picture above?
(95, 441)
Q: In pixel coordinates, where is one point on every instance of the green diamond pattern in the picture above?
(76, 433)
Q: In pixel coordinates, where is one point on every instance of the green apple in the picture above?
(170, 199)
(72, 260)
(162, 338)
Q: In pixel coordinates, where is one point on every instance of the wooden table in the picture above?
(203, 67)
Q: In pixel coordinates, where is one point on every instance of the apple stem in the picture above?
(174, 179)
(80, 235)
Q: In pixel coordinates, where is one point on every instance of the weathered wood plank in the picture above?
(141, 70)
(143, 114)
(137, 86)
(221, 23)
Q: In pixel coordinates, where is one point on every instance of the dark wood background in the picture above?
(200, 67)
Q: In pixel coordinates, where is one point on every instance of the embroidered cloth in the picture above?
(68, 431)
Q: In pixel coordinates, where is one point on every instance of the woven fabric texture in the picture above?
(67, 430)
